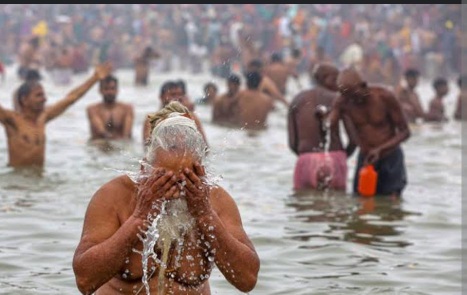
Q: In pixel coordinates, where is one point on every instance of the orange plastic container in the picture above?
(368, 178)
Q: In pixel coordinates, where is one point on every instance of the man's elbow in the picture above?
(83, 281)
(84, 286)
(250, 280)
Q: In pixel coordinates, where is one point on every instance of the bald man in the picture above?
(318, 166)
(380, 127)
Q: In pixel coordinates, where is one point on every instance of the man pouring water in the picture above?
(163, 232)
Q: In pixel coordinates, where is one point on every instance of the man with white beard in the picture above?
(181, 252)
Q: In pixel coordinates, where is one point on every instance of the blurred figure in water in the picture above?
(267, 86)
(210, 93)
(170, 91)
(225, 106)
(253, 105)
(408, 98)
(436, 108)
(462, 98)
(319, 166)
(205, 228)
(62, 70)
(142, 64)
(28, 56)
(110, 119)
(185, 100)
(279, 72)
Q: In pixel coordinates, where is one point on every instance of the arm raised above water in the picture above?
(59, 107)
(4, 115)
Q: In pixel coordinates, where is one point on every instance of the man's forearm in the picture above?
(100, 263)
(394, 141)
(237, 261)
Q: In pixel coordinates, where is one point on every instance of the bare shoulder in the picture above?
(383, 92)
(93, 107)
(301, 97)
(126, 106)
(221, 200)
(116, 191)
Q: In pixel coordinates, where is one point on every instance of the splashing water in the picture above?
(325, 145)
(169, 226)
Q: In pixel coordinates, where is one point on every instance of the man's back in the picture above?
(254, 108)
(302, 117)
(279, 74)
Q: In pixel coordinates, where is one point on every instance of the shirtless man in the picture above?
(142, 63)
(279, 73)
(307, 133)
(210, 93)
(253, 105)
(26, 129)
(436, 108)
(267, 86)
(410, 102)
(28, 56)
(224, 107)
(380, 127)
(205, 228)
(110, 119)
(294, 61)
(462, 98)
(170, 91)
(185, 100)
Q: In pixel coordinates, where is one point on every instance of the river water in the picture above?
(308, 243)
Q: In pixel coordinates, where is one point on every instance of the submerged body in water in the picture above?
(164, 232)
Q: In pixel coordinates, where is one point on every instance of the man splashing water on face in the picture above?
(203, 219)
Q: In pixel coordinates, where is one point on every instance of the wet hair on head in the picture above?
(181, 83)
(296, 52)
(208, 85)
(25, 89)
(253, 79)
(276, 57)
(173, 128)
(257, 63)
(107, 80)
(411, 73)
(33, 74)
(234, 78)
(166, 86)
(439, 82)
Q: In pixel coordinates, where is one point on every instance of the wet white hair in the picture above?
(176, 132)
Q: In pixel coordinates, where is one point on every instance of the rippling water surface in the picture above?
(308, 243)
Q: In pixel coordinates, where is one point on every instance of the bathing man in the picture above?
(380, 127)
(307, 132)
(206, 230)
